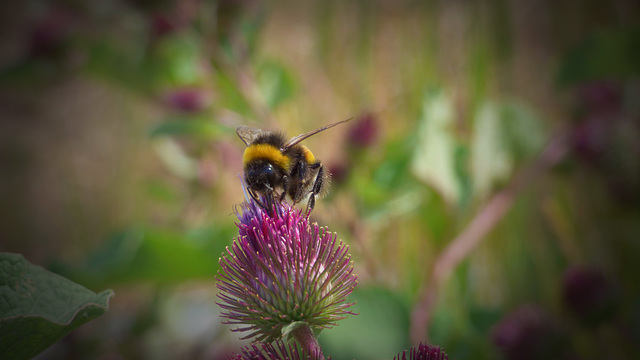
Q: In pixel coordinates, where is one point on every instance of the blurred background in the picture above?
(498, 139)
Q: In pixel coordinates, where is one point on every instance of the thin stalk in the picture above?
(487, 217)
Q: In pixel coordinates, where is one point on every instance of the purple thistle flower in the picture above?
(282, 270)
(590, 295)
(422, 352)
(50, 34)
(187, 100)
(275, 351)
(530, 333)
(364, 131)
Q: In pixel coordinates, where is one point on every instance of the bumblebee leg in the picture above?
(296, 189)
(317, 186)
(256, 198)
(311, 204)
(269, 206)
(285, 188)
(271, 202)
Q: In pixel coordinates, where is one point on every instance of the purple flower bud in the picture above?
(339, 171)
(162, 24)
(275, 351)
(364, 131)
(589, 295)
(281, 270)
(187, 100)
(601, 96)
(422, 352)
(48, 36)
(591, 138)
(529, 333)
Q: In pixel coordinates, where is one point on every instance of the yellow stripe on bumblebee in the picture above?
(308, 155)
(267, 152)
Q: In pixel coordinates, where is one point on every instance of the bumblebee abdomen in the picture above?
(266, 152)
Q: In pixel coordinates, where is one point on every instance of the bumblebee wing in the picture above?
(248, 134)
(296, 139)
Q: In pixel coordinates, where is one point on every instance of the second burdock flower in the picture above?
(282, 271)
(278, 350)
(423, 352)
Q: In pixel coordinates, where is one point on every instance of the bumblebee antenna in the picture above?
(296, 139)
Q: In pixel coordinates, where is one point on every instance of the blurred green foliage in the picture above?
(38, 307)
(122, 163)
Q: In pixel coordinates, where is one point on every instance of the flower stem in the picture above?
(304, 337)
(487, 217)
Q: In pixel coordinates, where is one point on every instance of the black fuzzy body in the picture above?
(300, 180)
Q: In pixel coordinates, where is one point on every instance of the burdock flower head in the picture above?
(275, 351)
(283, 273)
(422, 352)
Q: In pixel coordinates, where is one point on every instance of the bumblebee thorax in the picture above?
(267, 152)
(308, 155)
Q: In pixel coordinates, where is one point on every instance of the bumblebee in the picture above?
(275, 168)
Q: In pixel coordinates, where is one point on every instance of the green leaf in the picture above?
(434, 158)
(491, 161)
(503, 133)
(524, 129)
(178, 59)
(379, 331)
(38, 308)
(605, 54)
(176, 159)
(231, 96)
(275, 82)
(153, 255)
(30, 72)
(123, 62)
(483, 318)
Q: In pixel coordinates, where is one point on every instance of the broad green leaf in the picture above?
(503, 133)
(491, 161)
(379, 331)
(38, 308)
(154, 255)
(434, 158)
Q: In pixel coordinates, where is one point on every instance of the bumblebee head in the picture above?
(263, 176)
